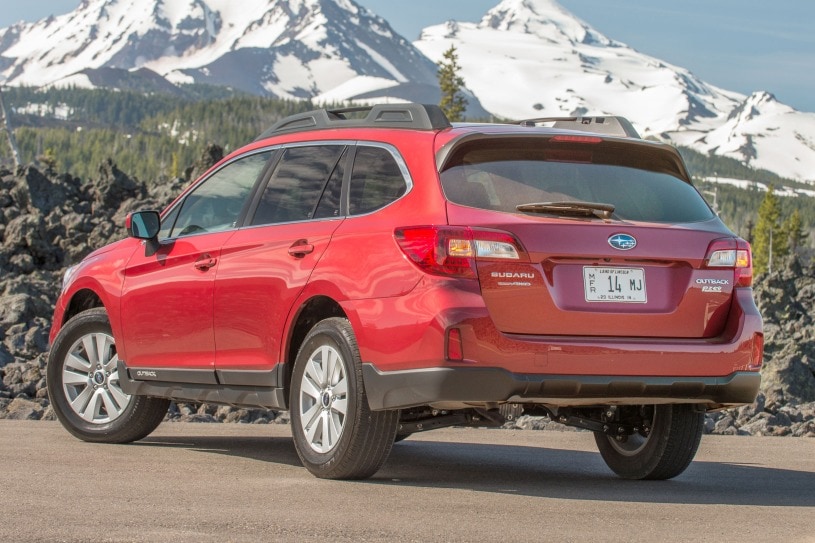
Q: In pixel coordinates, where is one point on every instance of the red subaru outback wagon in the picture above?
(379, 272)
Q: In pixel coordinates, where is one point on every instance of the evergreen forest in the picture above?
(155, 137)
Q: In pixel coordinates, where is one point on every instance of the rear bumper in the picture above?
(411, 388)
(406, 362)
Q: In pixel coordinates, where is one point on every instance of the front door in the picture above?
(168, 294)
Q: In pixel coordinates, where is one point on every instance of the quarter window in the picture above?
(376, 180)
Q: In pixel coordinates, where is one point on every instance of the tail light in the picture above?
(732, 253)
(453, 251)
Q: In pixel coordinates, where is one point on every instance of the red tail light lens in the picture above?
(453, 251)
(732, 253)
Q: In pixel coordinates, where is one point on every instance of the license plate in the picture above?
(626, 285)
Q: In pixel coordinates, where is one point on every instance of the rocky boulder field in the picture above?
(50, 221)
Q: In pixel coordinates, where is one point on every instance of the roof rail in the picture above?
(611, 126)
(407, 115)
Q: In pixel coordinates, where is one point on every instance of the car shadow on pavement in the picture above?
(278, 450)
(576, 475)
(534, 471)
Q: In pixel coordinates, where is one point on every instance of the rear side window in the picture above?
(376, 180)
(643, 185)
(306, 184)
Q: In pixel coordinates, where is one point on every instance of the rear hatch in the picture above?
(612, 239)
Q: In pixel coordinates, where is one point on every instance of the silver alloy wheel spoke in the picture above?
(81, 402)
(340, 406)
(93, 407)
(119, 397)
(315, 372)
(90, 379)
(310, 389)
(341, 388)
(79, 364)
(74, 378)
(323, 401)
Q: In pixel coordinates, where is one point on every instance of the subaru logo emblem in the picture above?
(623, 242)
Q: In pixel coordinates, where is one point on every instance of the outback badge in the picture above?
(623, 242)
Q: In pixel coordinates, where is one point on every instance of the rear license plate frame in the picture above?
(610, 284)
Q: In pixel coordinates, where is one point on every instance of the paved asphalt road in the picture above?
(219, 483)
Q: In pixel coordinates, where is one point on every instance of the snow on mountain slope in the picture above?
(550, 63)
(284, 48)
(526, 58)
(761, 132)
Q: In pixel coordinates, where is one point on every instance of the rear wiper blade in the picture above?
(580, 209)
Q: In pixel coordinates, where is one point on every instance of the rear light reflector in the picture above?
(758, 351)
(455, 349)
(453, 251)
(732, 253)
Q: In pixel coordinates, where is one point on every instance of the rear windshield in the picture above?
(642, 185)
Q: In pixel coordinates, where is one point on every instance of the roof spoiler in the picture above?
(609, 126)
(407, 115)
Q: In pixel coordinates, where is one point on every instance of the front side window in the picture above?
(216, 204)
(376, 180)
(306, 184)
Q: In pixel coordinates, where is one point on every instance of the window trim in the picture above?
(351, 152)
(272, 166)
(179, 202)
(263, 179)
(401, 164)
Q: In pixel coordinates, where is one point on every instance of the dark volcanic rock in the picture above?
(112, 187)
(49, 222)
(211, 155)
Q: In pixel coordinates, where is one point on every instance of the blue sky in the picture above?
(739, 45)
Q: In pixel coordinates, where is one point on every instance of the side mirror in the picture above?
(143, 224)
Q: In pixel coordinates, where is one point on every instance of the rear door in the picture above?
(265, 266)
(637, 273)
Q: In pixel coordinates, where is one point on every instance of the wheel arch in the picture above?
(314, 310)
(81, 301)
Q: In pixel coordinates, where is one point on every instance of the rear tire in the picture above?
(661, 450)
(335, 433)
(84, 389)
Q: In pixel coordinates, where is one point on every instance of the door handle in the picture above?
(205, 262)
(301, 248)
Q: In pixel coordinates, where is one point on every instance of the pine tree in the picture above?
(793, 229)
(453, 102)
(174, 166)
(769, 238)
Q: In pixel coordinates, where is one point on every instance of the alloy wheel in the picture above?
(90, 379)
(323, 401)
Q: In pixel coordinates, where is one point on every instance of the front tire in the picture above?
(662, 449)
(336, 434)
(83, 385)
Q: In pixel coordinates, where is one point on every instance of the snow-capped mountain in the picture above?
(526, 58)
(298, 49)
(550, 63)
